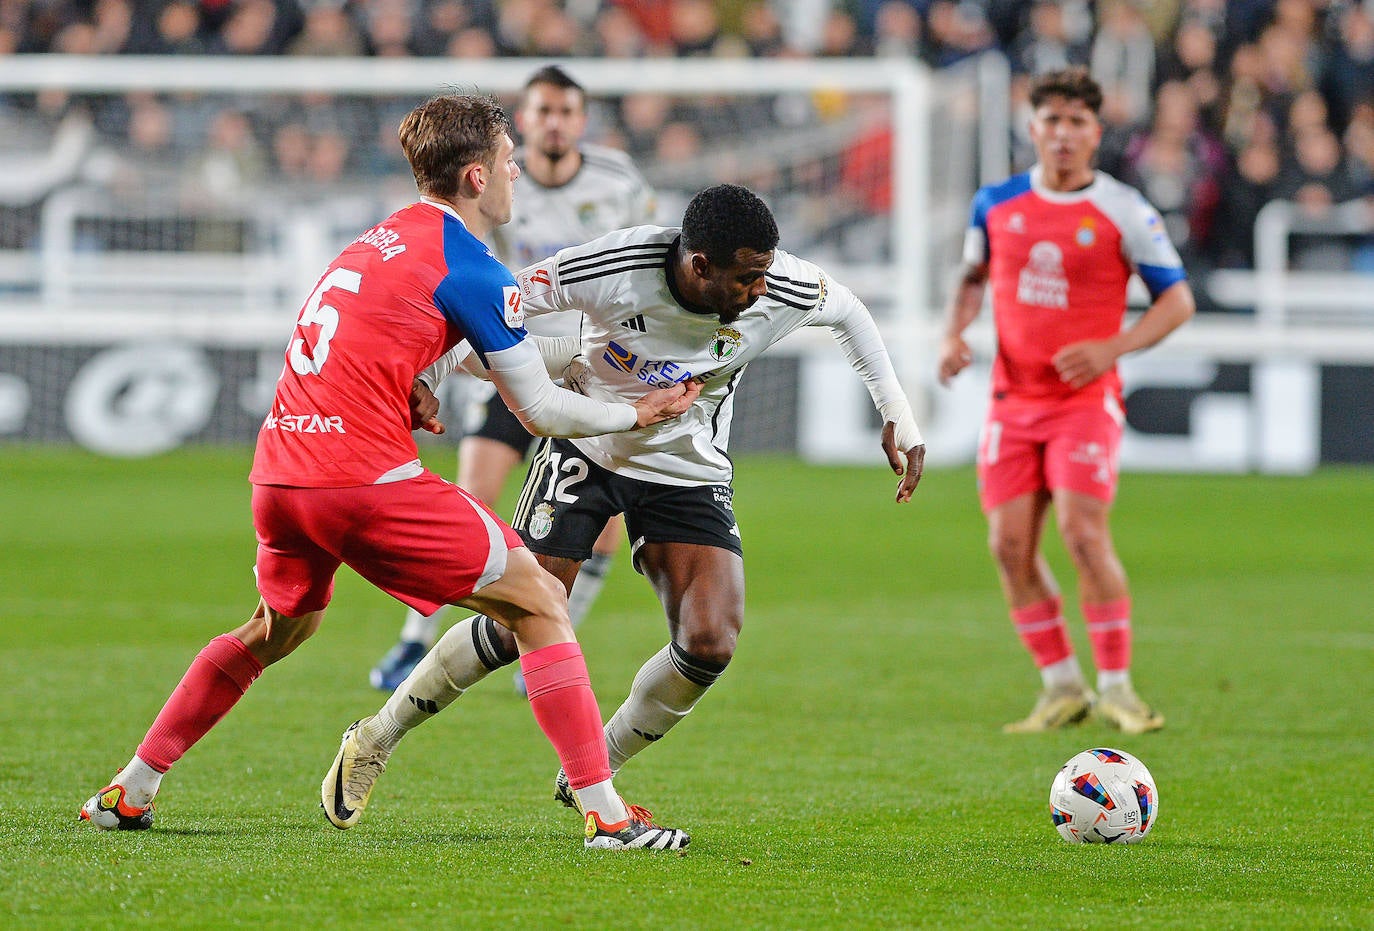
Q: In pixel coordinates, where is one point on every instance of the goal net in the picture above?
(161, 220)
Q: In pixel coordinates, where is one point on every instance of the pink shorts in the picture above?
(423, 540)
(1026, 448)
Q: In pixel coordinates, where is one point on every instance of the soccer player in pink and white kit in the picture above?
(1059, 245)
(337, 477)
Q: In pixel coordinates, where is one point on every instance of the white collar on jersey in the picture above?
(1037, 180)
(444, 207)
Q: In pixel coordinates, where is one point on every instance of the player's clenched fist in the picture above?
(666, 403)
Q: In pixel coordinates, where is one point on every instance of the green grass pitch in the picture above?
(847, 772)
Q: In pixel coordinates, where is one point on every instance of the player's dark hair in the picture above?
(726, 218)
(1068, 83)
(445, 134)
(554, 76)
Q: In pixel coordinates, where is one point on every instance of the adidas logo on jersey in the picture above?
(635, 323)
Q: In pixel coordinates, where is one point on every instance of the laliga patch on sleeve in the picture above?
(515, 311)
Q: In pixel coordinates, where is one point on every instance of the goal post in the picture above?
(205, 246)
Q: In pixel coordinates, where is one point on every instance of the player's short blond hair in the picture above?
(445, 134)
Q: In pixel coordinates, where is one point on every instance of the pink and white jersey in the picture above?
(395, 299)
(1059, 264)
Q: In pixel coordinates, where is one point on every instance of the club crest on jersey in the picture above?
(1042, 282)
(1016, 223)
(1087, 232)
(586, 212)
(725, 342)
(541, 521)
(515, 311)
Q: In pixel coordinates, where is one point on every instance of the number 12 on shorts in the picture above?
(560, 485)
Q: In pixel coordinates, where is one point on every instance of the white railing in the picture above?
(1285, 297)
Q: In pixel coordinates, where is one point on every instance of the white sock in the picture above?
(1062, 674)
(446, 671)
(661, 696)
(1111, 678)
(603, 799)
(587, 586)
(422, 628)
(140, 782)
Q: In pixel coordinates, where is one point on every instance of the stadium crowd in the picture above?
(1213, 108)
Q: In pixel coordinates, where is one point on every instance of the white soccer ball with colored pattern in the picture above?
(1104, 796)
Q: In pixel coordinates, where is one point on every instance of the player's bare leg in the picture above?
(1015, 529)
(212, 685)
(1106, 602)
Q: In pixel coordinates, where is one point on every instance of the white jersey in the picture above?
(637, 334)
(607, 193)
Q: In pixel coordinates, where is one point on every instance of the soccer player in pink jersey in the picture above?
(337, 478)
(1058, 245)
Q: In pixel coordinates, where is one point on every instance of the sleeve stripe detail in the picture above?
(606, 272)
(580, 263)
(802, 304)
(805, 293)
(813, 285)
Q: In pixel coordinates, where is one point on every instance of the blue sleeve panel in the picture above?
(994, 194)
(474, 292)
(1159, 279)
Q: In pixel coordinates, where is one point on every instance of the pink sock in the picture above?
(561, 697)
(1042, 629)
(1109, 631)
(217, 679)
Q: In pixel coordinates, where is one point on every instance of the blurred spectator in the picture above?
(1192, 59)
(328, 31)
(957, 30)
(113, 21)
(1047, 44)
(1348, 74)
(176, 31)
(618, 35)
(390, 28)
(693, 27)
(146, 166)
(257, 27)
(471, 43)
(1317, 177)
(1359, 147)
(897, 30)
(1179, 167)
(762, 31)
(555, 34)
(642, 117)
(291, 152)
(839, 36)
(440, 20)
(1252, 185)
(1316, 180)
(232, 166)
(1123, 62)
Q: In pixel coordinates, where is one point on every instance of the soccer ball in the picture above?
(1103, 796)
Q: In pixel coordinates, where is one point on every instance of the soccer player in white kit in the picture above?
(663, 306)
(569, 191)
